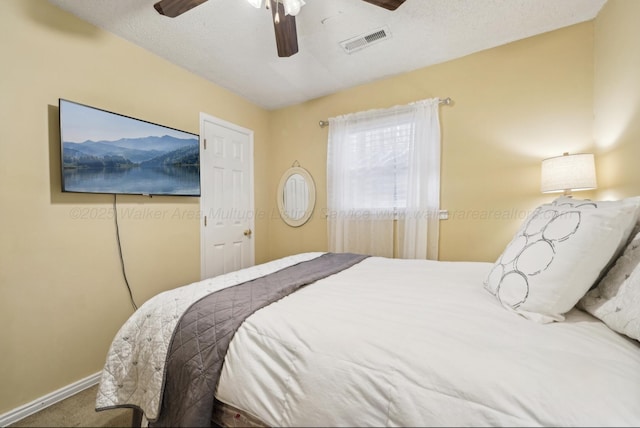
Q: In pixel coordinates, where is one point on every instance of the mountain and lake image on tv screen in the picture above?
(104, 152)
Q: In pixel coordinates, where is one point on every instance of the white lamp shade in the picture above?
(568, 172)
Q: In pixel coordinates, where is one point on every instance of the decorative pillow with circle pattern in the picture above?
(558, 254)
(616, 299)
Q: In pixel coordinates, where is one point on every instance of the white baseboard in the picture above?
(43, 402)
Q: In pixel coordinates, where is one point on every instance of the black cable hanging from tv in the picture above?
(124, 273)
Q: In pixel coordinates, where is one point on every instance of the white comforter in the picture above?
(417, 343)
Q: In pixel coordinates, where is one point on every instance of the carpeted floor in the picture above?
(78, 411)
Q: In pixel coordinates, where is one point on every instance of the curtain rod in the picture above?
(446, 101)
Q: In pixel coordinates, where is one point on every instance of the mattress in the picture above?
(225, 415)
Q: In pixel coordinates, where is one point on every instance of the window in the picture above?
(384, 165)
(379, 168)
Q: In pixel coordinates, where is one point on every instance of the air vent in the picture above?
(365, 40)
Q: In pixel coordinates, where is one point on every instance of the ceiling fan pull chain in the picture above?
(276, 18)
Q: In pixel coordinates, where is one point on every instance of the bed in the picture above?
(374, 341)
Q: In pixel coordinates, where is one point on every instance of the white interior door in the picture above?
(226, 200)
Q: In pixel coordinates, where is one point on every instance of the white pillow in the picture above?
(616, 299)
(558, 254)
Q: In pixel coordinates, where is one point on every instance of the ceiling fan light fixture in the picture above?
(291, 7)
(256, 3)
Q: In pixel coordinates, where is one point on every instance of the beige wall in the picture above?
(514, 105)
(62, 297)
(617, 98)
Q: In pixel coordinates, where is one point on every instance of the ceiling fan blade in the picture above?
(387, 4)
(173, 8)
(286, 33)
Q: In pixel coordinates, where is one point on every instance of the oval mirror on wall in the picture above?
(296, 196)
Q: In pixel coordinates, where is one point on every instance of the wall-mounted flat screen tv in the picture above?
(105, 152)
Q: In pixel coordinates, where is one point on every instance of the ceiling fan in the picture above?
(284, 20)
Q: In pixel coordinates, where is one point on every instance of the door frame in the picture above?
(204, 117)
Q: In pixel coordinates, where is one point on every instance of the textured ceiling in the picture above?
(232, 44)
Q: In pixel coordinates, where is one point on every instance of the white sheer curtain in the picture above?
(383, 181)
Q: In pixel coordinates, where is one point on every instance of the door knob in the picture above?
(247, 232)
